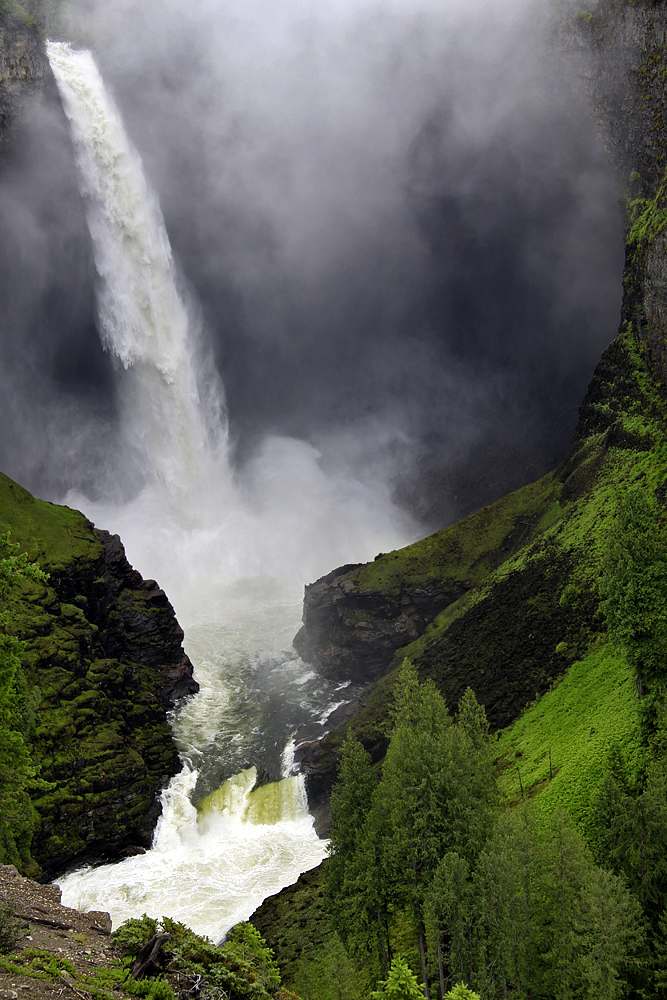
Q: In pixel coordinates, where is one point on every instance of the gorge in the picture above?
(232, 527)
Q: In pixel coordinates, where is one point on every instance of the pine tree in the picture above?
(461, 992)
(413, 797)
(354, 883)
(610, 934)
(634, 584)
(568, 870)
(510, 887)
(401, 984)
(449, 913)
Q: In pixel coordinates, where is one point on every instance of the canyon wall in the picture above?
(103, 665)
(505, 600)
(24, 73)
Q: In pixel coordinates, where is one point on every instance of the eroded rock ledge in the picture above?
(24, 70)
(104, 664)
(352, 633)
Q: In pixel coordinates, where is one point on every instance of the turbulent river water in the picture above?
(232, 548)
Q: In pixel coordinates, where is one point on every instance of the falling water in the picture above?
(232, 550)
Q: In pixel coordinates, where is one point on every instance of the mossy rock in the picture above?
(103, 664)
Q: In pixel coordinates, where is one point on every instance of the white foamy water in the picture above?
(212, 872)
(232, 548)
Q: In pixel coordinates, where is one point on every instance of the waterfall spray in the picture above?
(232, 552)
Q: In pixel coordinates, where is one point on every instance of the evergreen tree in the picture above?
(611, 934)
(450, 920)
(510, 887)
(659, 963)
(568, 870)
(631, 830)
(413, 797)
(634, 584)
(461, 992)
(354, 884)
(437, 794)
(401, 984)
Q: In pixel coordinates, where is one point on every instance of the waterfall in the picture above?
(231, 548)
(142, 318)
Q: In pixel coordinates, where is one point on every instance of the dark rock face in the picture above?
(620, 56)
(618, 53)
(102, 667)
(349, 633)
(134, 618)
(24, 70)
(108, 664)
(533, 558)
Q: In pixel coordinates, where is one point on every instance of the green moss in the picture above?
(467, 551)
(42, 527)
(533, 561)
(293, 922)
(99, 731)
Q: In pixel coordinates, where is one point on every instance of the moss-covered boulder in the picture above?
(103, 665)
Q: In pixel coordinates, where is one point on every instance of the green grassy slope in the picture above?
(557, 750)
(533, 559)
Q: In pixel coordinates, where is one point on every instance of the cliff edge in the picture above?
(507, 599)
(103, 665)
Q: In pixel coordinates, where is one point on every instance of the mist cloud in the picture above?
(396, 218)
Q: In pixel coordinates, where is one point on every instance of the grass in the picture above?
(465, 552)
(103, 983)
(593, 707)
(44, 528)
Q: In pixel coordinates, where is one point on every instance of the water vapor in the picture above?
(395, 217)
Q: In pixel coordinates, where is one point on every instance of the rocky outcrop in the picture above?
(616, 53)
(510, 593)
(352, 633)
(24, 71)
(103, 665)
(71, 944)
(619, 54)
(133, 616)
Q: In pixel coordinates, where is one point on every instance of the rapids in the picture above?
(231, 547)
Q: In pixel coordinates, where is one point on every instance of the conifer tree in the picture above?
(510, 889)
(450, 919)
(461, 992)
(634, 585)
(568, 869)
(413, 796)
(354, 883)
(610, 934)
(401, 983)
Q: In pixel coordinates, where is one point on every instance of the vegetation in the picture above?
(82, 704)
(102, 983)
(242, 968)
(36, 15)
(9, 928)
(433, 877)
(18, 817)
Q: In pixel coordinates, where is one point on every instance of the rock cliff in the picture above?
(506, 599)
(103, 665)
(24, 72)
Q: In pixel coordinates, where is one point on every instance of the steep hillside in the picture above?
(103, 665)
(506, 600)
(526, 569)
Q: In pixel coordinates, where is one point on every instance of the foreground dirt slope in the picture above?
(81, 938)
